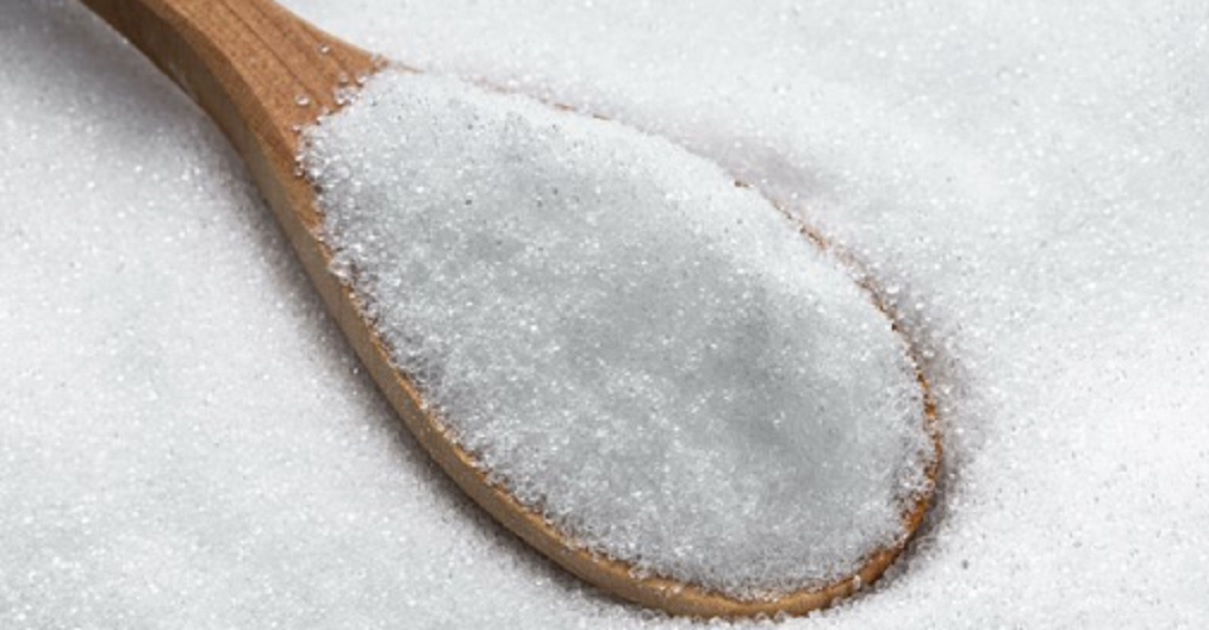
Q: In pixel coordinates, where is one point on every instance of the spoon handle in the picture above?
(259, 71)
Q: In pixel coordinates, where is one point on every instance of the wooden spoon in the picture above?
(262, 74)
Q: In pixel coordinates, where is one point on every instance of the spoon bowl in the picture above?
(263, 75)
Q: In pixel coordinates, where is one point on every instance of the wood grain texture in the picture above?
(262, 74)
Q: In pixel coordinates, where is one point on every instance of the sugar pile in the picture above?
(184, 443)
(653, 358)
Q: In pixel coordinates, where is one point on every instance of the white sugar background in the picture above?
(185, 441)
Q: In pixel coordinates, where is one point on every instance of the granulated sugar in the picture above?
(655, 359)
(186, 442)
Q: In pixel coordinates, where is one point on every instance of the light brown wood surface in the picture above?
(262, 74)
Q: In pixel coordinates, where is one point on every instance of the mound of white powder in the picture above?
(652, 357)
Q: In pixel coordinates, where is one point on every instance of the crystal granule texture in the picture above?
(186, 440)
(654, 358)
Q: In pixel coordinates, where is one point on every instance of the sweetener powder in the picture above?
(651, 356)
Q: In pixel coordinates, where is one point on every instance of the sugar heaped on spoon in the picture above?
(644, 370)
